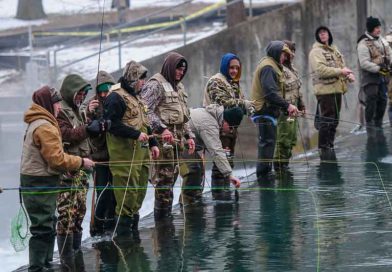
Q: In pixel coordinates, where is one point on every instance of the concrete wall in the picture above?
(296, 22)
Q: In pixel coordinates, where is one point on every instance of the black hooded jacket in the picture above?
(269, 79)
(114, 110)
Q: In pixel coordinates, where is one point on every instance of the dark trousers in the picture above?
(376, 103)
(192, 172)
(267, 139)
(41, 206)
(105, 200)
(329, 108)
(219, 183)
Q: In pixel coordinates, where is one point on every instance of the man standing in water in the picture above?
(168, 114)
(267, 94)
(330, 77)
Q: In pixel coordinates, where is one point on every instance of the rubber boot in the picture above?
(38, 249)
(135, 223)
(77, 240)
(66, 252)
(79, 261)
(162, 213)
(327, 154)
(49, 255)
(221, 189)
(77, 246)
(280, 166)
(390, 114)
(124, 226)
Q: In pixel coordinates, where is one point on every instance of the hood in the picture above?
(132, 73)
(224, 66)
(217, 112)
(36, 112)
(70, 86)
(168, 70)
(367, 36)
(274, 50)
(104, 77)
(330, 40)
(324, 46)
(46, 97)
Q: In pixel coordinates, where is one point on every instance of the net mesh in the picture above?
(20, 234)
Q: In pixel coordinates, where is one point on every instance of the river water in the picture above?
(323, 217)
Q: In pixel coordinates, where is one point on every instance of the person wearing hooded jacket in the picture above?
(329, 77)
(286, 137)
(128, 140)
(267, 96)
(374, 55)
(106, 203)
(168, 113)
(43, 161)
(71, 203)
(207, 123)
(224, 89)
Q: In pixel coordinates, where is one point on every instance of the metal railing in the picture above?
(182, 22)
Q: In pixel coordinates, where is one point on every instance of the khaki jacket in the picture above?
(326, 64)
(205, 123)
(43, 153)
(257, 93)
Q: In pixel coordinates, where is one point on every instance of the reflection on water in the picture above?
(330, 216)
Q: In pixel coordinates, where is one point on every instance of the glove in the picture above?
(94, 128)
(384, 71)
(250, 109)
(106, 124)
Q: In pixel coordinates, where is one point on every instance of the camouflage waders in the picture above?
(192, 172)
(285, 141)
(71, 204)
(166, 173)
(220, 184)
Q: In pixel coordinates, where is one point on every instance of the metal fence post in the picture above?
(119, 48)
(55, 66)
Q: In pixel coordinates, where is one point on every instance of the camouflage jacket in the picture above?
(222, 92)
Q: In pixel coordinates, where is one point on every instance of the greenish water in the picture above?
(324, 217)
(327, 217)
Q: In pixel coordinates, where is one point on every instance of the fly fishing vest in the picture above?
(32, 161)
(378, 55)
(172, 109)
(292, 84)
(82, 148)
(136, 113)
(257, 92)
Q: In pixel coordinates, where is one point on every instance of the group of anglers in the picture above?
(118, 128)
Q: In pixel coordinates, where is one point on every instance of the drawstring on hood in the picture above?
(330, 38)
(225, 64)
(169, 66)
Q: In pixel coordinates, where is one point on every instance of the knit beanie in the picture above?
(372, 23)
(104, 77)
(233, 116)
